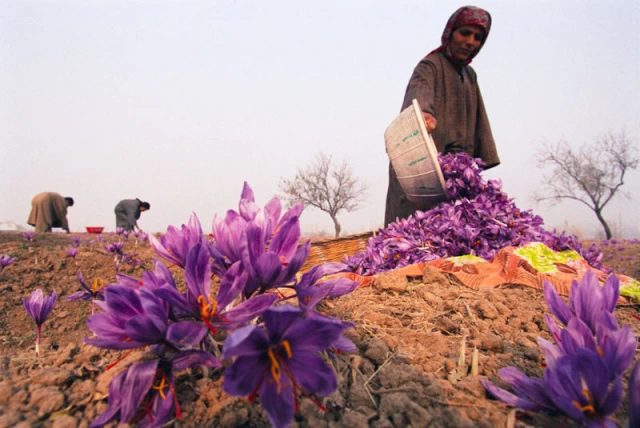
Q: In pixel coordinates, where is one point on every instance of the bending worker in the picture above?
(49, 210)
(128, 212)
(447, 91)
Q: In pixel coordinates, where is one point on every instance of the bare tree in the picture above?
(592, 174)
(324, 185)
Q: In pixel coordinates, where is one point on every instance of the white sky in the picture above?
(179, 102)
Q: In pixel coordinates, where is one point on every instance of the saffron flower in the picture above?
(145, 392)
(95, 292)
(278, 263)
(633, 394)
(530, 393)
(587, 299)
(72, 252)
(577, 385)
(313, 287)
(280, 360)
(197, 301)
(39, 308)
(174, 245)
(6, 261)
(28, 236)
(115, 248)
(580, 387)
(228, 231)
(75, 241)
(133, 318)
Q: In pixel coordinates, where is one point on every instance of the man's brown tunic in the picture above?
(454, 99)
(48, 210)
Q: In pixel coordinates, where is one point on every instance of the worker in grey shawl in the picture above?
(447, 90)
(49, 210)
(128, 213)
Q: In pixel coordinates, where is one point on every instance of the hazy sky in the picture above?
(179, 102)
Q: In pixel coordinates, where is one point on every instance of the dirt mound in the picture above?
(407, 371)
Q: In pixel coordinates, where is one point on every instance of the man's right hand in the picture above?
(430, 121)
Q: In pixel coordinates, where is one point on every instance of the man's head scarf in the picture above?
(466, 15)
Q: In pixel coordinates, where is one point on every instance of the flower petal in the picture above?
(245, 374)
(507, 397)
(186, 333)
(250, 340)
(557, 306)
(186, 359)
(278, 401)
(312, 372)
(137, 382)
(248, 310)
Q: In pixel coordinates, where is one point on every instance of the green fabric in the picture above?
(542, 258)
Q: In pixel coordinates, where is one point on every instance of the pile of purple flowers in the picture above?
(583, 375)
(275, 348)
(479, 219)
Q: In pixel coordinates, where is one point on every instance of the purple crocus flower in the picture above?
(28, 236)
(586, 299)
(5, 261)
(115, 248)
(150, 384)
(72, 252)
(75, 241)
(633, 394)
(95, 292)
(279, 360)
(530, 393)
(313, 288)
(616, 346)
(197, 301)
(228, 231)
(580, 386)
(39, 308)
(133, 318)
(174, 245)
(277, 264)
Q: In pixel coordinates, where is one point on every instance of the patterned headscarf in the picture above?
(466, 15)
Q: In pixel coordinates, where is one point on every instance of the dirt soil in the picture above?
(409, 336)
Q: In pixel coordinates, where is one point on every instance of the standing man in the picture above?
(128, 212)
(447, 91)
(49, 210)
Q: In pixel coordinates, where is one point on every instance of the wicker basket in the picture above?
(334, 250)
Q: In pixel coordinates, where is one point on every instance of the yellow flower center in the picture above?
(276, 372)
(97, 284)
(207, 310)
(588, 408)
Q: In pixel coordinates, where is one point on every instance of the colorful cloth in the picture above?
(530, 265)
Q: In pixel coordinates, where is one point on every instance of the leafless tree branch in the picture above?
(326, 186)
(591, 174)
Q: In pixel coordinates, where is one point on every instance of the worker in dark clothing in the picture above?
(128, 212)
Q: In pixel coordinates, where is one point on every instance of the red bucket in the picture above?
(95, 229)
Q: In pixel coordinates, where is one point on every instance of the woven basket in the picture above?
(334, 250)
(414, 157)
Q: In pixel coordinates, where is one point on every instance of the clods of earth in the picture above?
(408, 369)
